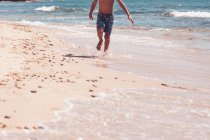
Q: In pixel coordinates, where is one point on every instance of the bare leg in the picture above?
(107, 42)
(100, 37)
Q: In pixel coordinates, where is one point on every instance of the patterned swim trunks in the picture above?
(105, 21)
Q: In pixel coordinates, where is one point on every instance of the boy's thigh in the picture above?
(108, 24)
(100, 22)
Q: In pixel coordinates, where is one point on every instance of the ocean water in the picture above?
(169, 42)
(146, 13)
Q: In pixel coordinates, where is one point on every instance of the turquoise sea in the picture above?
(146, 13)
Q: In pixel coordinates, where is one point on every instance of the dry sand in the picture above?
(36, 78)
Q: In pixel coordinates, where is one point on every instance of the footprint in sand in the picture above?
(40, 127)
(2, 100)
(34, 127)
(18, 127)
(33, 91)
(26, 127)
(7, 117)
(94, 81)
(94, 86)
(2, 125)
(2, 84)
(93, 96)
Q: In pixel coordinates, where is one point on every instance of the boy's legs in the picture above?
(108, 30)
(104, 24)
(100, 29)
(107, 41)
(100, 37)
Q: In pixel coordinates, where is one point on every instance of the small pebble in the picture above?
(7, 117)
(33, 91)
(93, 96)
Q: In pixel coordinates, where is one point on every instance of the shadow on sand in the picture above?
(98, 63)
(79, 56)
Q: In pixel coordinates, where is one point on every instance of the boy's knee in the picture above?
(107, 36)
(100, 31)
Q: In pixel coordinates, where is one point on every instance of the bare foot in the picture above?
(105, 50)
(99, 45)
(105, 53)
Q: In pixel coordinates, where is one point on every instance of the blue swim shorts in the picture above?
(105, 21)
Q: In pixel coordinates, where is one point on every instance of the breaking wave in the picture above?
(47, 9)
(33, 23)
(195, 14)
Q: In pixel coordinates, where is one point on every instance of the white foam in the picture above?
(197, 14)
(47, 8)
(57, 113)
(33, 23)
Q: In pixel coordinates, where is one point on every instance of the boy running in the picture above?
(105, 20)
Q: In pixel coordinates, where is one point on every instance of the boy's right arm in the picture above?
(93, 6)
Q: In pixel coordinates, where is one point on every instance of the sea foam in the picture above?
(33, 23)
(47, 9)
(196, 14)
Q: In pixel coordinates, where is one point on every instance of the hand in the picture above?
(130, 18)
(90, 16)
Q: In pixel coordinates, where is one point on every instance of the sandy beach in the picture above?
(37, 79)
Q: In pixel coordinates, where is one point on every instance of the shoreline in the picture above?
(134, 27)
(40, 75)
